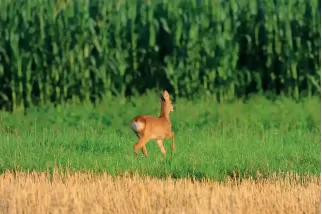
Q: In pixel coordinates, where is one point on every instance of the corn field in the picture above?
(53, 52)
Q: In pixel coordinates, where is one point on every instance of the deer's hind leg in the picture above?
(144, 151)
(141, 145)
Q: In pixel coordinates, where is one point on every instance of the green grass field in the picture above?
(212, 140)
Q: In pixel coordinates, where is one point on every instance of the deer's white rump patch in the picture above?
(137, 126)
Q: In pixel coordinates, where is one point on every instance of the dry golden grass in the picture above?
(88, 193)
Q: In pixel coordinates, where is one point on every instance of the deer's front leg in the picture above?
(173, 146)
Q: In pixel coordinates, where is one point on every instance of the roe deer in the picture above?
(147, 127)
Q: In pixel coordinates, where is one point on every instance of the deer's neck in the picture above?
(164, 112)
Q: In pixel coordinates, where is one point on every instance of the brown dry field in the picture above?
(90, 193)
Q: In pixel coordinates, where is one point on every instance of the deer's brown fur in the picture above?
(147, 127)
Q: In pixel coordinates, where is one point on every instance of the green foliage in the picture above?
(84, 50)
(212, 140)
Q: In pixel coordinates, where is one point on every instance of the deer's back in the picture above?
(155, 127)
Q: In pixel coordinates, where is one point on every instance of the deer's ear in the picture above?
(162, 98)
(166, 95)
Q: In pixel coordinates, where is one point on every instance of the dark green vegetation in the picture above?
(86, 50)
(212, 140)
(61, 57)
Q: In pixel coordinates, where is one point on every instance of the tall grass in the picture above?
(212, 140)
(82, 51)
